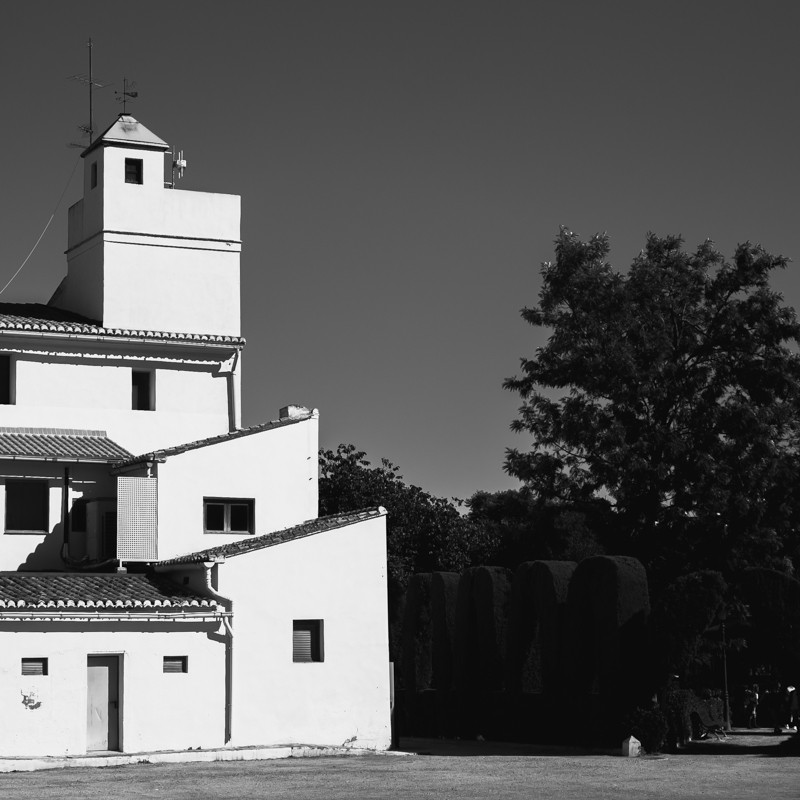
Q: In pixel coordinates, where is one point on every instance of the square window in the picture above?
(228, 515)
(143, 394)
(27, 506)
(133, 170)
(176, 663)
(34, 666)
(307, 640)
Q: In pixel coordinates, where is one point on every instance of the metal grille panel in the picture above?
(137, 519)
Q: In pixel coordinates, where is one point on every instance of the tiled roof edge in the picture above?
(42, 318)
(166, 452)
(304, 529)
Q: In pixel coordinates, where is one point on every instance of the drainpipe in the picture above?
(230, 377)
(227, 622)
(65, 557)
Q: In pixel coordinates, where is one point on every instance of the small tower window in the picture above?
(143, 397)
(93, 175)
(133, 170)
(6, 380)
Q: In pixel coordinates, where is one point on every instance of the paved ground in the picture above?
(747, 765)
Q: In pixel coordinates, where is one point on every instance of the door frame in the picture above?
(120, 659)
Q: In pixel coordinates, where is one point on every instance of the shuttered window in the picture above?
(176, 663)
(307, 640)
(34, 666)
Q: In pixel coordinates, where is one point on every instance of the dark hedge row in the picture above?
(550, 648)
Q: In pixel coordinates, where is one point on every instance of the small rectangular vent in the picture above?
(176, 663)
(307, 640)
(34, 666)
(137, 518)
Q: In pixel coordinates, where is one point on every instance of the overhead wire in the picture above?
(41, 235)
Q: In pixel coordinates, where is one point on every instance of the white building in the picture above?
(165, 582)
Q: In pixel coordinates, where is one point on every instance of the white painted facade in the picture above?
(159, 711)
(139, 350)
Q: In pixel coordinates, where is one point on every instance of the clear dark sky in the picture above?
(404, 168)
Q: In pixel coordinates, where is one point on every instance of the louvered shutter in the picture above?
(176, 663)
(301, 643)
(34, 666)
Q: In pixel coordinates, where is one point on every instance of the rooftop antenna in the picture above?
(88, 80)
(178, 165)
(127, 94)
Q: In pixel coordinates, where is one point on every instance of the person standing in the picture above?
(751, 705)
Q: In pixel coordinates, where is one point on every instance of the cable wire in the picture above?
(41, 235)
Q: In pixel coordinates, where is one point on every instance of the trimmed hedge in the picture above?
(538, 603)
(482, 608)
(444, 592)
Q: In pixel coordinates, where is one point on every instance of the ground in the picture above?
(744, 766)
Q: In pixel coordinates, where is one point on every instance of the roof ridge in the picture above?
(166, 452)
(292, 533)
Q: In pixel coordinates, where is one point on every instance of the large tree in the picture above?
(423, 532)
(670, 391)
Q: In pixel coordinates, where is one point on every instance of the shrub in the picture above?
(649, 726)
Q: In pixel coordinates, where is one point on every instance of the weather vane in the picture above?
(127, 94)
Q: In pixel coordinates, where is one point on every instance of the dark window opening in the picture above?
(27, 507)
(133, 170)
(307, 640)
(34, 666)
(108, 541)
(6, 366)
(176, 663)
(226, 515)
(93, 175)
(78, 518)
(142, 388)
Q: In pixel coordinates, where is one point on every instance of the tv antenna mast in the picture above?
(88, 80)
(127, 94)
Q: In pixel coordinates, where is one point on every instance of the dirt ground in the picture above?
(463, 770)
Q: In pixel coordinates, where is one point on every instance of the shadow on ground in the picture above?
(738, 742)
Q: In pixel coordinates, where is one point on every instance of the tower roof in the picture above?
(126, 131)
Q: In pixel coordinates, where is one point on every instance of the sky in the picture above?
(404, 168)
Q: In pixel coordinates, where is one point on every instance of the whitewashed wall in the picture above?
(338, 576)
(276, 467)
(190, 404)
(158, 710)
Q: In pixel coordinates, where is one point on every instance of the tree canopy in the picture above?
(423, 532)
(671, 392)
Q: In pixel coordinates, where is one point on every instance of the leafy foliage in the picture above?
(670, 392)
(525, 528)
(424, 532)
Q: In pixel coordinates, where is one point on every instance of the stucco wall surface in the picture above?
(46, 714)
(156, 288)
(190, 403)
(339, 577)
(276, 467)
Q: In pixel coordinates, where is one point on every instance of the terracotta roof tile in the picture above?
(59, 444)
(75, 591)
(308, 528)
(160, 455)
(48, 319)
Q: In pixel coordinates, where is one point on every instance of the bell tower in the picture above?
(144, 256)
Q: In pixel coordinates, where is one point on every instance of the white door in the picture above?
(102, 711)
